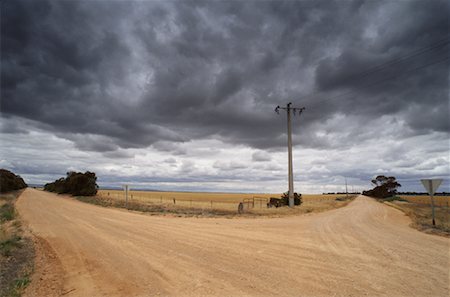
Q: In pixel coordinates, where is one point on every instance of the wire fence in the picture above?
(219, 201)
(175, 200)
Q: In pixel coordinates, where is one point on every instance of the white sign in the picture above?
(431, 185)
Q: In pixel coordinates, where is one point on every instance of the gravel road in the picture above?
(365, 248)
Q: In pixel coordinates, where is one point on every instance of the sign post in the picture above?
(125, 187)
(431, 185)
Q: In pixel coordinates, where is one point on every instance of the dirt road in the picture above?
(365, 248)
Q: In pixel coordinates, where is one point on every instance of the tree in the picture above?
(384, 187)
(76, 183)
(10, 182)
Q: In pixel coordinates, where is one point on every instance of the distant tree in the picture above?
(384, 187)
(10, 181)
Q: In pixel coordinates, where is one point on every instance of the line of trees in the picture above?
(76, 183)
(423, 193)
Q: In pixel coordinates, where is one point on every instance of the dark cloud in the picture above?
(111, 75)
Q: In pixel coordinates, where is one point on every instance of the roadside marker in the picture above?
(431, 185)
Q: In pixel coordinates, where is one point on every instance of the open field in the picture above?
(425, 199)
(363, 249)
(220, 201)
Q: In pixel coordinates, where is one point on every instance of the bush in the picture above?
(76, 183)
(284, 200)
(7, 212)
(10, 182)
(394, 198)
(8, 245)
(297, 198)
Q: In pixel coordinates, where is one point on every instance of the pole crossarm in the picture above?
(288, 108)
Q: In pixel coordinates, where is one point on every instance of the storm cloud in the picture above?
(161, 75)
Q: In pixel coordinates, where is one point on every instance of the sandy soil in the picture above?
(365, 248)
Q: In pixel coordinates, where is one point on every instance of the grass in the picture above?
(425, 199)
(421, 214)
(8, 245)
(16, 251)
(210, 204)
(7, 212)
(203, 200)
(394, 198)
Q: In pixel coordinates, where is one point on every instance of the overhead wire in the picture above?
(383, 80)
(386, 65)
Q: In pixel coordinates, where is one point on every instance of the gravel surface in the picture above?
(365, 248)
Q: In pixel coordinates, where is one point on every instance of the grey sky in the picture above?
(180, 94)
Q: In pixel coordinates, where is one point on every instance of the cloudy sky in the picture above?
(180, 95)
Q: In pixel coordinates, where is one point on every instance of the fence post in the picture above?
(240, 207)
(211, 204)
(446, 213)
(160, 199)
(174, 202)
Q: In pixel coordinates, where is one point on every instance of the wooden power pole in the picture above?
(288, 110)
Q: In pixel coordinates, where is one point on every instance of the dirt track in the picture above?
(365, 248)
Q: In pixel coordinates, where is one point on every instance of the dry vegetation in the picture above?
(425, 199)
(418, 208)
(210, 204)
(16, 251)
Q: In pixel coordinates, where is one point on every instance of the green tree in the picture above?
(76, 183)
(10, 182)
(383, 187)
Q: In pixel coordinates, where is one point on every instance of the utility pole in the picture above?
(288, 109)
(346, 190)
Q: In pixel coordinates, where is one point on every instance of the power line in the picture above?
(435, 46)
(398, 60)
(383, 80)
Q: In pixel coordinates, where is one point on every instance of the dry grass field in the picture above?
(253, 203)
(425, 199)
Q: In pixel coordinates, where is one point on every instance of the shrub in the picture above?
(284, 200)
(76, 183)
(297, 198)
(7, 212)
(10, 182)
(8, 245)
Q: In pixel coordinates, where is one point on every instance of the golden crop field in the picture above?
(205, 199)
(425, 199)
